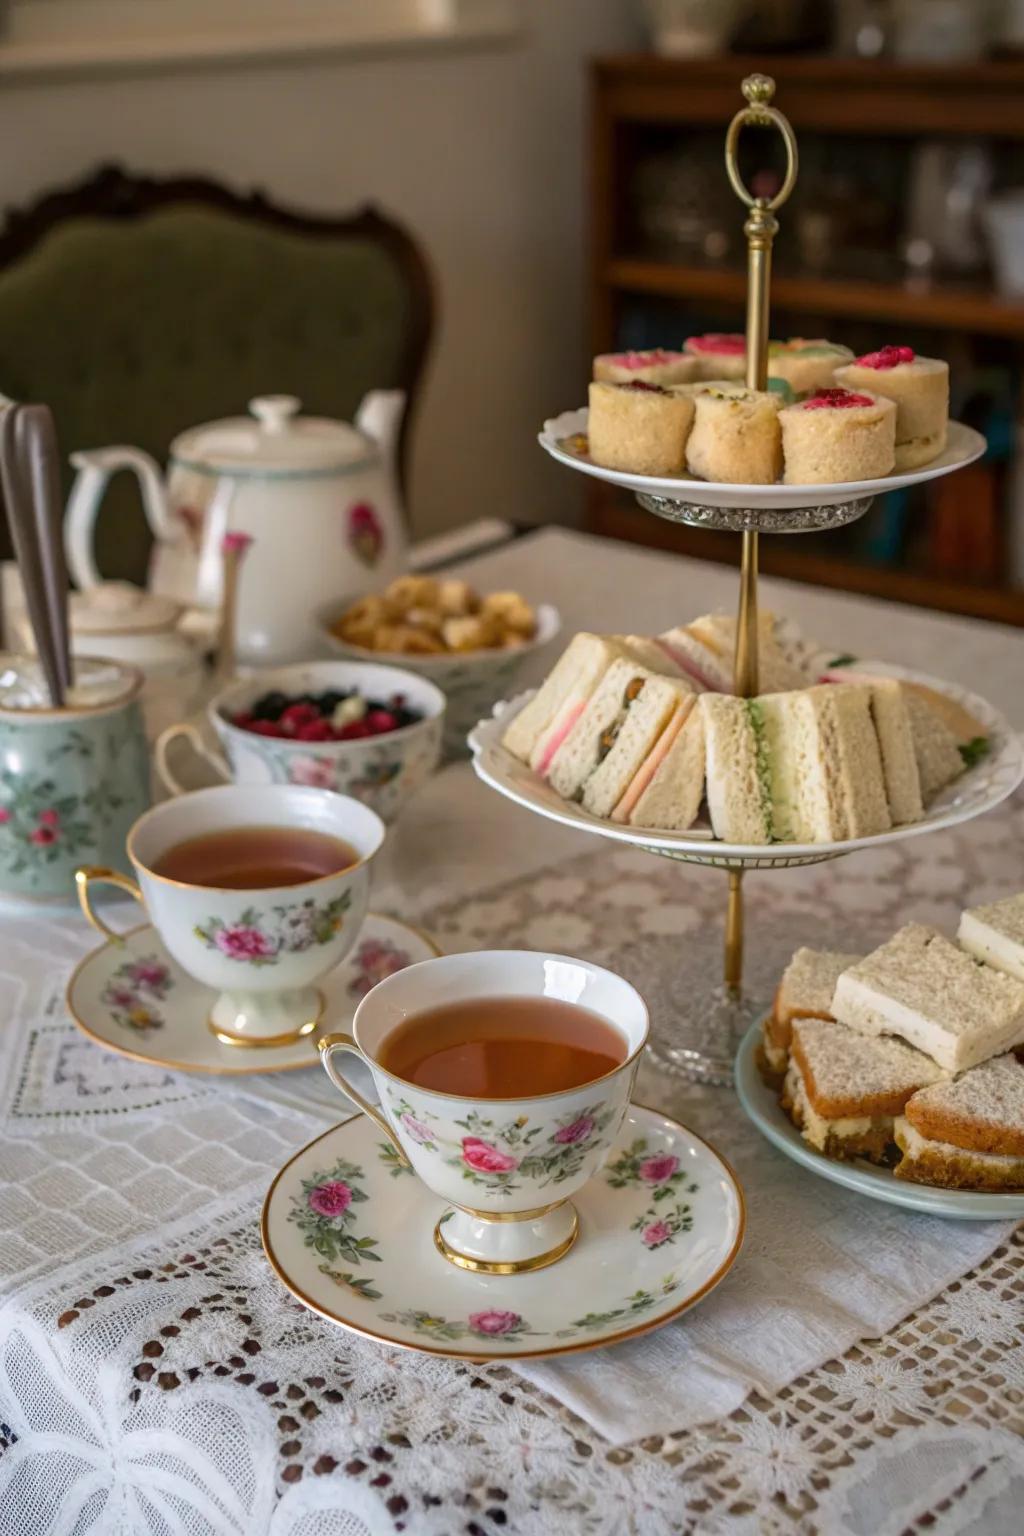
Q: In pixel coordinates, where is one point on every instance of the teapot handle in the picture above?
(95, 467)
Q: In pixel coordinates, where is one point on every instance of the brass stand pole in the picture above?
(760, 228)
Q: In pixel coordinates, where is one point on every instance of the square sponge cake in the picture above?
(939, 999)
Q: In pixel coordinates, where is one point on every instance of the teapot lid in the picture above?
(119, 608)
(274, 439)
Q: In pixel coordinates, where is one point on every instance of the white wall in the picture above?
(481, 152)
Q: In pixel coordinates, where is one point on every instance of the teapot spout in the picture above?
(380, 417)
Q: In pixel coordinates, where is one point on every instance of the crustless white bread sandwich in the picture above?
(932, 994)
(995, 934)
(794, 767)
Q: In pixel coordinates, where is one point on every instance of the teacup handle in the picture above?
(97, 875)
(198, 745)
(327, 1045)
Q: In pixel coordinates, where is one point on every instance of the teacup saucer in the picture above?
(132, 998)
(351, 1234)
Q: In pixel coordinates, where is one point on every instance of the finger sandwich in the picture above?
(735, 434)
(804, 992)
(668, 787)
(837, 435)
(995, 934)
(931, 993)
(640, 428)
(801, 767)
(844, 1090)
(613, 735)
(968, 1133)
(541, 726)
(919, 388)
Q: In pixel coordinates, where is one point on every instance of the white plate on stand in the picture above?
(963, 446)
(976, 791)
(762, 1106)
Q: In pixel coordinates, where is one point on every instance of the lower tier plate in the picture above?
(762, 1106)
(978, 790)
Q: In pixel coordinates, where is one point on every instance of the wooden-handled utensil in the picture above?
(27, 550)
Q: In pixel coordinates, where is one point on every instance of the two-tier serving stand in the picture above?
(716, 1022)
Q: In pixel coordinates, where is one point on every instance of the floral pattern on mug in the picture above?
(325, 1216)
(493, 1324)
(657, 1228)
(502, 1155)
(660, 1172)
(259, 939)
(374, 960)
(132, 990)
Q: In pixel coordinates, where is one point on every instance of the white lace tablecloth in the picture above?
(859, 1372)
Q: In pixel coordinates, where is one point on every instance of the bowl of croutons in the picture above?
(471, 644)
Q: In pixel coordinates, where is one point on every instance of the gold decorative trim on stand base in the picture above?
(510, 1267)
(531, 1215)
(266, 1042)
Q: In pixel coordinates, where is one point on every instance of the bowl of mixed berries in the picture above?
(361, 729)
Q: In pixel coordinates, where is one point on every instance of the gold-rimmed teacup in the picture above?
(263, 950)
(506, 1167)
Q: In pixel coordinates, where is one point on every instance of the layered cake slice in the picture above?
(969, 1133)
(919, 386)
(720, 354)
(932, 994)
(844, 1091)
(804, 992)
(735, 435)
(652, 367)
(639, 428)
(995, 934)
(838, 435)
(806, 365)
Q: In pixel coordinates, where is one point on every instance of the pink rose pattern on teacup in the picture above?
(504, 1156)
(260, 939)
(133, 990)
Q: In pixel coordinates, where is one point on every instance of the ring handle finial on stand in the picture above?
(759, 113)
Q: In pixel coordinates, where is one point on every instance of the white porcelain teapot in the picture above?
(318, 499)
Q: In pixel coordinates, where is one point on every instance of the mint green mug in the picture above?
(72, 780)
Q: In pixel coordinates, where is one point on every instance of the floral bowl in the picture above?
(472, 681)
(380, 771)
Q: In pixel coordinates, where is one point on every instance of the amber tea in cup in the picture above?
(503, 1047)
(255, 858)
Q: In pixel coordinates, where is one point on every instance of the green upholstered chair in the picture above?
(136, 308)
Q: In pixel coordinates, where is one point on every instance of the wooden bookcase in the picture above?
(957, 559)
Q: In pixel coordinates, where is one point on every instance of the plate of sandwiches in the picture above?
(639, 739)
(900, 1074)
(828, 427)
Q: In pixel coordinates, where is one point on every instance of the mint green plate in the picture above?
(761, 1105)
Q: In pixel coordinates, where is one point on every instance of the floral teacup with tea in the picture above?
(257, 892)
(503, 1078)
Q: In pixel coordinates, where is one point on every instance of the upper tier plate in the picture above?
(979, 789)
(963, 446)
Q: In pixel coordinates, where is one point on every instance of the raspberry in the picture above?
(243, 720)
(266, 728)
(296, 716)
(354, 731)
(380, 721)
(316, 730)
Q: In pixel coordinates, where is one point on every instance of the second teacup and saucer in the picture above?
(259, 931)
(499, 1150)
